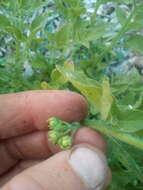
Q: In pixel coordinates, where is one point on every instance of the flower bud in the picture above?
(54, 136)
(58, 125)
(53, 121)
(65, 142)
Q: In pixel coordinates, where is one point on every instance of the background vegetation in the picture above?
(92, 47)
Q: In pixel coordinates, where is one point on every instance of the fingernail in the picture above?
(91, 165)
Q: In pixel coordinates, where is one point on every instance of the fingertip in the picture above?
(92, 137)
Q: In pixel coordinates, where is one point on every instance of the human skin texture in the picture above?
(25, 149)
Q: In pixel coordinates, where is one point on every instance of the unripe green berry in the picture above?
(65, 142)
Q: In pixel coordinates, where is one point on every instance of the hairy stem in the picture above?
(124, 137)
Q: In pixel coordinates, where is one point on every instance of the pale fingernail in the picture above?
(91, 165)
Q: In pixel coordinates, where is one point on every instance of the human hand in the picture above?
(28, 161)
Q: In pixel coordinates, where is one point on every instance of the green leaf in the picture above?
(130, 126)
(121, 15)
(24, 4)
(57, 77)
(122, 112)
(46, 86)
(4, 22)
(139, 102)
(88, 87)
(135, 43)
(139, 14)
(40, 21)
(135, 26)
(122, 153)
(61, 38)
(71, 9)
(85, 34)
(99, 97)
(106, 100)
(69, 65)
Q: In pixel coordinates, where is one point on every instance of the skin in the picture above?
(24, 142)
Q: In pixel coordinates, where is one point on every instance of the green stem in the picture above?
(134, 3)
(124, 137)
(93, 18)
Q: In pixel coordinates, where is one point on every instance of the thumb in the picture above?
(81, 168)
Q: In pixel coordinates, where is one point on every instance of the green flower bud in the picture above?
(58, 125)
(65, 142)
(54, 136)
(53, 122)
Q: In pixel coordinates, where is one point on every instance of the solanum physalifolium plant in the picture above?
(77, 46)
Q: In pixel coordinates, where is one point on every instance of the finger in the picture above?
(92, 137)
(21, 166)
(81, 168)
(28, 111)
(30, 146)
(37, 146)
